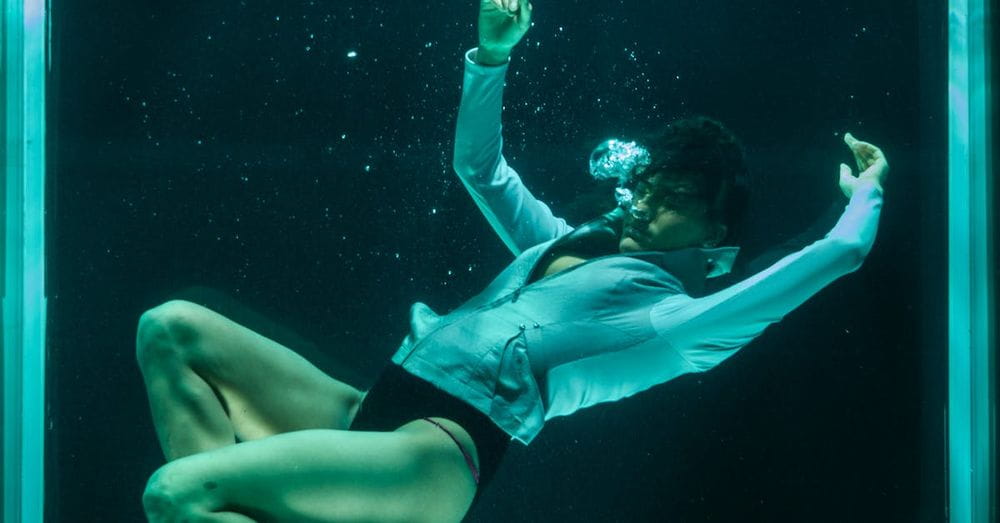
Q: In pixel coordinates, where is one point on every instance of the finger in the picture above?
(870, 155)
(852, 144)
(878, 166)
(524, 20)
(511, 8)
(859, 149)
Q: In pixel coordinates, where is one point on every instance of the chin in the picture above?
(628, 244)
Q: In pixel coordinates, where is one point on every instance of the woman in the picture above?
(581, 316)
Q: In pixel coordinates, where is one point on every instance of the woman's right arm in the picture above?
(520, 219)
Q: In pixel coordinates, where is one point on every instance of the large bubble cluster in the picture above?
(617, 159)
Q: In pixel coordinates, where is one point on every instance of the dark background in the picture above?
(234, 153)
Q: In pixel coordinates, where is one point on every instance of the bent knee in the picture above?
(165, 331)
(171, 495)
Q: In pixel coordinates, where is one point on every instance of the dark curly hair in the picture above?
(702, 152)
(698, 151)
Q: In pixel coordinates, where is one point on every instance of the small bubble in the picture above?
(352, 54)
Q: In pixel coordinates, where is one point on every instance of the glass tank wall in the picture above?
(289, 166)
(23, 57)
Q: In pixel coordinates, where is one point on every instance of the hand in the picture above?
(502, 24)
(871, 162)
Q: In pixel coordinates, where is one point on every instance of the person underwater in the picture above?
(582, 316)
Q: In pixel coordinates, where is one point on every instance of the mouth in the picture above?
(633, 232)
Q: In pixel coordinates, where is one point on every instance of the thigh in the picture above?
(413, 474)
(266, 388)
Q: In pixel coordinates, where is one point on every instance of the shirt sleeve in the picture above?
(709, 329)
(520, 219)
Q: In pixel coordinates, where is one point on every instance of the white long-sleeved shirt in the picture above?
(528, 349)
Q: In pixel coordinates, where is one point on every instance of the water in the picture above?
(289, 165)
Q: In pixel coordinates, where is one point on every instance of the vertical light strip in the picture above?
(971, 303)
(24, 306)
(13, 257)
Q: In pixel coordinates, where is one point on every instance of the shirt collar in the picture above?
(692, 265)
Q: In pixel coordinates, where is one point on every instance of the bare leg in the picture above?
(187, 413)
(414, 474)
(212, 382)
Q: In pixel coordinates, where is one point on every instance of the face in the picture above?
(667, 219)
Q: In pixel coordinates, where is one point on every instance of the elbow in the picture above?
(854, 253)
(458, 166)
(474, 168)
(458, 162)
(461, 166)
(463, 162)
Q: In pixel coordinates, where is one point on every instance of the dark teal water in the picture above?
(294, 159)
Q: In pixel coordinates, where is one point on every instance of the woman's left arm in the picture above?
(709, 329)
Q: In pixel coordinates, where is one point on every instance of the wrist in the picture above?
(492, 56)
